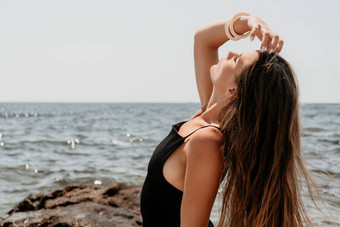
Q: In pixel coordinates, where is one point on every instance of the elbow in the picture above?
(202, 39)
(198, 36)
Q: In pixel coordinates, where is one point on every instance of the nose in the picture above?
(232, 54)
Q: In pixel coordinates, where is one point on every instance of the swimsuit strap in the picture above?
(201, 128)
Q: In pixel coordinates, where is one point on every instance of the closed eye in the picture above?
(237, 58)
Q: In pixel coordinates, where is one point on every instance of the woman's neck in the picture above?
(213, 99)
(210, 113)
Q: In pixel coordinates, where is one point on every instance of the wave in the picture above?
(330, 141)
(72, 143)
(314, 129)
(36, 114)
(18, 115)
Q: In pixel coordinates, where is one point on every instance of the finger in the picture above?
(279, 47)
(264, 44)
(253, 32)
(273, 44)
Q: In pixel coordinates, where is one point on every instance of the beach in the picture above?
(49, 146)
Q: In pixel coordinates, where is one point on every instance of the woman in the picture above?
(247, 132)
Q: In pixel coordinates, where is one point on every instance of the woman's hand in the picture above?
(270, 40)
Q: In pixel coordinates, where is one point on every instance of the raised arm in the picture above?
(209, 38)
(207, 41)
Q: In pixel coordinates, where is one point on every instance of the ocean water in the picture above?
(45, 146)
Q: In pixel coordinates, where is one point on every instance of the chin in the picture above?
(213, 72)
(213, 68)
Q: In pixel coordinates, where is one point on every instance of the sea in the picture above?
(46, 146)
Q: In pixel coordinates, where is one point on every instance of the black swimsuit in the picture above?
(161, 201)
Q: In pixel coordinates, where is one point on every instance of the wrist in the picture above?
(248, 19)
(237, 27)
(241, 25)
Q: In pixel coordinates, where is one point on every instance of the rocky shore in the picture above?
(79, 205)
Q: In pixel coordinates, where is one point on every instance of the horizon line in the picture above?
(126, 102)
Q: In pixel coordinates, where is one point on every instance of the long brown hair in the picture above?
(262, 160)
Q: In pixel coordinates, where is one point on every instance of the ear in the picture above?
(232, 90)
(230, 93)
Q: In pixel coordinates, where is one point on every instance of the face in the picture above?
(224, 73)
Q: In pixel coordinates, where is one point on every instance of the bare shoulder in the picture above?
(205, 142)
(202, 176)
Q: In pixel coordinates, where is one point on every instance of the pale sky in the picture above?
(142, 50)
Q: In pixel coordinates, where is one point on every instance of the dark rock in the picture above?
(79, 205)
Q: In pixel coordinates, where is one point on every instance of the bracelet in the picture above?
(229, 27)
(227, 31)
